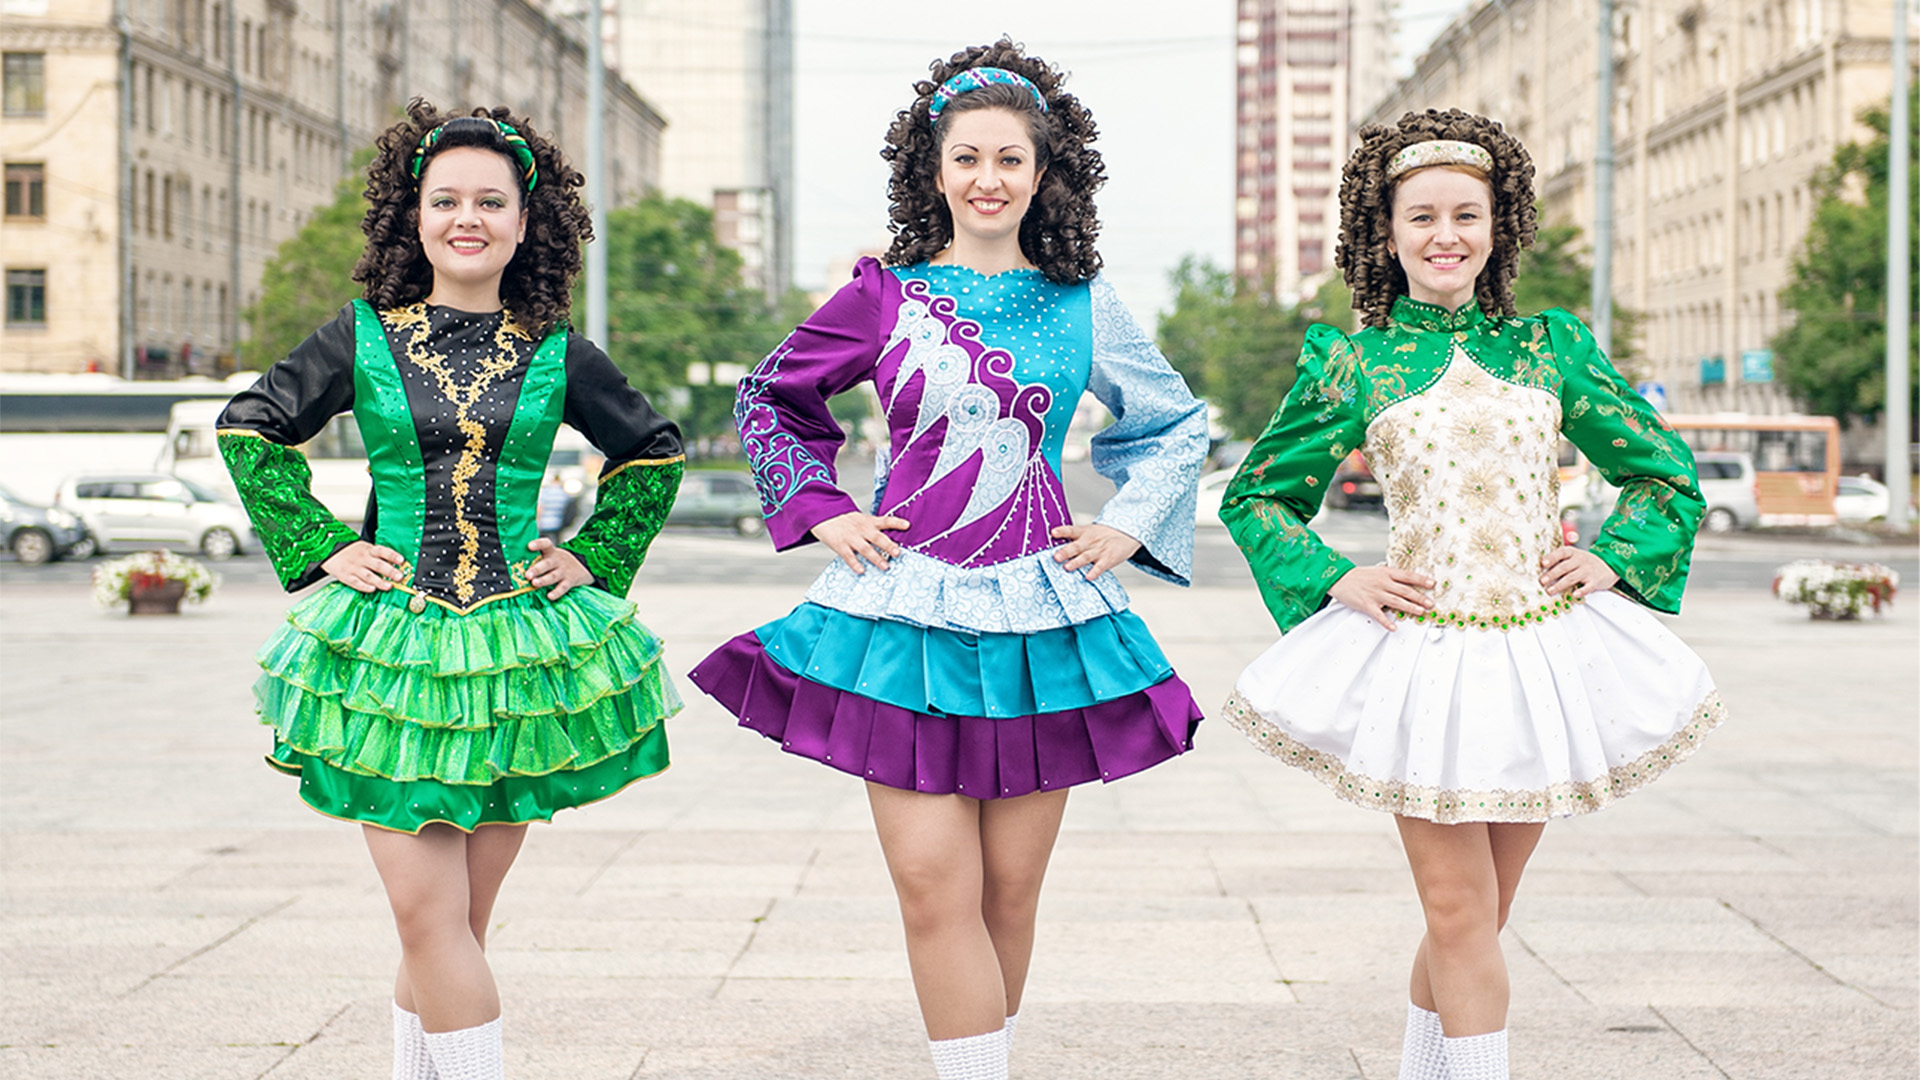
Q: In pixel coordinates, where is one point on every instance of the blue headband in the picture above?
(976, 79)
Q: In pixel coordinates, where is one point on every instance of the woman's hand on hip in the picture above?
(1374, 591)
(855, 536)
(557, 567)
(366, 567)
(1095, 548)
(1569, 569)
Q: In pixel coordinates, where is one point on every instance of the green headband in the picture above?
(516, 143)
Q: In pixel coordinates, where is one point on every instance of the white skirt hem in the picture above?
(1444, 807)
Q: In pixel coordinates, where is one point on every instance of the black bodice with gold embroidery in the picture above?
(463, 374)
(464, 695)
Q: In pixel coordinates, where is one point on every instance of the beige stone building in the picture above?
(158, 152)
(1723, 112)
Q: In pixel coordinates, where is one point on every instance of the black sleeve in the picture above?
(615, 418)
(295, 398)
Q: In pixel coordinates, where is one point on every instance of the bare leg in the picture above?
(491, 850)
(1513, 845)
(490, 854)
(1016, 839)
(443, 971)
(932, 848)
(1465, 892)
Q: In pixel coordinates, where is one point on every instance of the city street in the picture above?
(171, 910)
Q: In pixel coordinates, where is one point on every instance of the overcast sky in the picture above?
(1160, 86)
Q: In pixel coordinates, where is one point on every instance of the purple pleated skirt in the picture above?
(981, 757)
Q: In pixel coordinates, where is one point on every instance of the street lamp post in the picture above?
(597, 194)
(1898, 419)
(1602, 303)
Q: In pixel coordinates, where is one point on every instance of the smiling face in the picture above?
(988, 175)
(472, 219)
(1442, 234)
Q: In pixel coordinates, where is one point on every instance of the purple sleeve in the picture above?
(789, 436)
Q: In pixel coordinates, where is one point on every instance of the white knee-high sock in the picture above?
(1477, 1057)
(1013, 1021)
(471, 1053)
(971, 1057)
(410, 1058)
(1421, 1056)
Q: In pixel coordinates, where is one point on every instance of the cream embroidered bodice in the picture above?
(1469, 469)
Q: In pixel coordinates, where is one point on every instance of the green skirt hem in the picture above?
(410, 805)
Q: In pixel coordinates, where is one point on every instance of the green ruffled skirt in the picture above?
(503, 715)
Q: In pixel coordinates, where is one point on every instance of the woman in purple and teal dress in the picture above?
(1487, 677)
(458, 676)
(970, 655)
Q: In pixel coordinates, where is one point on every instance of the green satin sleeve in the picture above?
(1280, 485)
(276, 487)
(628, 512)
(1648, 539)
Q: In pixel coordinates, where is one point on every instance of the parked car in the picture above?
(37, 534)
(1728, 484)
(153, 510)
(1213, 488)
(1861, 498)
(1353, 486)
(718, 497)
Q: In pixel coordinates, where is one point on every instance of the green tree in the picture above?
(310, 277)
(676, 307)
(1556, 272)
(1235, 344)
(1833, 358)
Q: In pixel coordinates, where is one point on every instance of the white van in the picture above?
(337, 457)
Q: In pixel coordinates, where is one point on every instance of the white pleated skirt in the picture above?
(1453, 725)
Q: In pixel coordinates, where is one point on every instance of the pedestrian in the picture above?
(457, 677)
(1487, 677)
(970, 655)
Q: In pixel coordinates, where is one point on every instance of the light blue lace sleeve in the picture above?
(1156, 444)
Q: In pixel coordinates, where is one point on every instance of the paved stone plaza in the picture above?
(171, 910)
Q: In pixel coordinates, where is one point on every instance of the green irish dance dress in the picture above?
(463, 695)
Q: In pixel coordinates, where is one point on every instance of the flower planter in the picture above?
(153, 583)
(1836, 591)
(160, 598)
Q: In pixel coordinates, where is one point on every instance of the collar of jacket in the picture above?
(1411, 314)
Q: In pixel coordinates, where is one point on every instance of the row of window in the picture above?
(200, 28)
(1697, 330)
(159, 202)
(196, 310)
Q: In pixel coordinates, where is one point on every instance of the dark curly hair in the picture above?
(1366, 210)
(537, 286)
(1058, 233)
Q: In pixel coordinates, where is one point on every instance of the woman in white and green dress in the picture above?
(1487, 677)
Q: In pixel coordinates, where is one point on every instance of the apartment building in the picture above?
(159, 152)
(1307, 69)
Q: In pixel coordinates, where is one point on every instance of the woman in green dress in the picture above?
(1487, 677)
(459, 675)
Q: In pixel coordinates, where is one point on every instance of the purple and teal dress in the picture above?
(463, 695)
(974, 665)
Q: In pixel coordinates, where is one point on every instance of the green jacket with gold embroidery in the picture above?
(1347, 382)
(458, 412)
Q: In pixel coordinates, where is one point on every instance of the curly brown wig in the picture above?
(1366, 210)
(1058, 233)
(537, 285)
